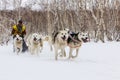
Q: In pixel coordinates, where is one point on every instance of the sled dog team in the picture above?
(59, 40)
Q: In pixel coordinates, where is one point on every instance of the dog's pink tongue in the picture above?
(88, 40)
(63, 38)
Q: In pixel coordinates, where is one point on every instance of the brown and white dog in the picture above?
(35, 43)
(60, 42)
(75, 41)
(17, 44)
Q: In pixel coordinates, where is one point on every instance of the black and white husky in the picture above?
(17, 44)
(35, 43)
(75, 41)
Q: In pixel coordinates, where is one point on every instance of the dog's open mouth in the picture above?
(63, 38)
(35, 39)
(85, 40)
(17, 39)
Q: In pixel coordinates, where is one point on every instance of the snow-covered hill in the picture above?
(96, 61)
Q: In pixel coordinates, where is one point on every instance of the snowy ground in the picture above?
(96, 61)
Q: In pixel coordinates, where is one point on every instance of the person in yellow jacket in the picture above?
(20, 29)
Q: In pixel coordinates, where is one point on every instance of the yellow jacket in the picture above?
(15, 30)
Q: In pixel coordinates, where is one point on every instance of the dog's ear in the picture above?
(54, 36)
(68, 32)
(77, 33)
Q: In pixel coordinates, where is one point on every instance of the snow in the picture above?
(12, 4)
(96, 61)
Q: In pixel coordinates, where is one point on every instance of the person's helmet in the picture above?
(20, 21)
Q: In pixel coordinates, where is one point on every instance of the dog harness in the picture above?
(74, 46)
(74, 40)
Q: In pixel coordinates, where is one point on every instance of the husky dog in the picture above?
(35, 43)
(18, 41)
(60, 42)
(75, 41)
